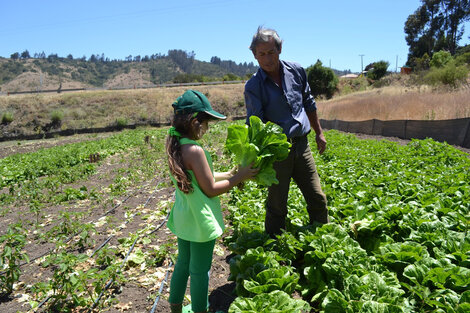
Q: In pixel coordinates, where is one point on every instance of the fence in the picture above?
(454, 132)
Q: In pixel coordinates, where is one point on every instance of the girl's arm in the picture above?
(218, 176)
(194, 159)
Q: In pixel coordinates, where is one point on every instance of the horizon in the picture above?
(342, 35)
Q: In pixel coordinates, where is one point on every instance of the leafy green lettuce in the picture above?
(274, 302)
(259, 143)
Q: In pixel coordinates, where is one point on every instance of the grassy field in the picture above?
(37, 113)
(90, 109)
(398, 103)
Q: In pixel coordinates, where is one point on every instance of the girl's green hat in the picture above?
(193, 101)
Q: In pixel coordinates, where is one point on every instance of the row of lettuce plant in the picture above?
(397, 242)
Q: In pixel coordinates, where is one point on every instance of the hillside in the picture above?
(53, 72)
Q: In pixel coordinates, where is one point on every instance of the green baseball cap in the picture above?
(193, 101)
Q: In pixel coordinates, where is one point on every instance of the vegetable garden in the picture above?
(82, 230)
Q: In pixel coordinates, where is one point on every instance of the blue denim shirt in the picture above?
(286, 107)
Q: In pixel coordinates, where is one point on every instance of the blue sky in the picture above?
(335, 32)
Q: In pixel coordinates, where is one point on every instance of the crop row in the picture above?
(76, 270)
(397, 242)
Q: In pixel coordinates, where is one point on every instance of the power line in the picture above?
(121, 16)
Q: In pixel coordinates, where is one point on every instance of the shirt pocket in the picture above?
(294, 97)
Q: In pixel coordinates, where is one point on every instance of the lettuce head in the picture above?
(259, 143)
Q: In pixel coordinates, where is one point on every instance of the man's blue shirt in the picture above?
(286, 107)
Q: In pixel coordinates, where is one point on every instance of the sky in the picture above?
(342, 34)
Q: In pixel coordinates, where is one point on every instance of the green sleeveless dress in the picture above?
(194, 216)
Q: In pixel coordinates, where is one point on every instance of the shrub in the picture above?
(463, 59)
(121, 122)
(450, 75)
(7, 118)
(378, 71)
(56, 118)
(440, 59)
(230, 77)
(423, 63)
(322, 80)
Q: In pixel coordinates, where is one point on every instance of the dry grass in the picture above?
(398, 103)
(88, 109)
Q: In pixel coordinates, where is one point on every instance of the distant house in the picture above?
(349, 76)
(405, 70)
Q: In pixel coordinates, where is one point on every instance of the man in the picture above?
(279, 92)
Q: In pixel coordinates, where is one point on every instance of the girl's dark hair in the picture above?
(182, 123)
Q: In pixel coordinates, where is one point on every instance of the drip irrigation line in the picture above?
(112, 279)
(127, 255)
(105, 214)
(161, 288)
(125, 259)
(125, 223)
(125, 199)
(124, 262)
(43, 301)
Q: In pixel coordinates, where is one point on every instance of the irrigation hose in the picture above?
(125, 260)
(102, 245)
(105, 214)
(161, 288)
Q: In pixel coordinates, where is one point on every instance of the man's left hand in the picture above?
(321, 143)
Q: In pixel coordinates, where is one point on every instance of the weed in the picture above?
(121, 122)
(7, 118)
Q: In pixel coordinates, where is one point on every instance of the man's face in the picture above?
(267, 56)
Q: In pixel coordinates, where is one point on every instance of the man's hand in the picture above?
(321, 143)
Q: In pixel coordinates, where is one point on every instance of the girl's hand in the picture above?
(247, 172)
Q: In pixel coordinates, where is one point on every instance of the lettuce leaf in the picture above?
(273, 302)
(259, 143)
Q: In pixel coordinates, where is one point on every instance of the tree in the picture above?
(322, 80)
(15, 56)
(183, 59)
(456, 12)
(25, 54)
(51, 58)
(378, 70)
(436, 25)
(216, 60)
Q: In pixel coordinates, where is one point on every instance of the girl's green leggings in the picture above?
(194, 259)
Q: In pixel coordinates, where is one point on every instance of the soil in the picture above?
(137, 293)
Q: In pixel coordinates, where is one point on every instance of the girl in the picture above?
(196, 217)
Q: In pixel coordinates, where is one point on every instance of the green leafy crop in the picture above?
(261, 144)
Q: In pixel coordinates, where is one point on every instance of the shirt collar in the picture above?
(263, 74)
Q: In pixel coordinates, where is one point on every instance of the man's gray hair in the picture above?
(264, 35)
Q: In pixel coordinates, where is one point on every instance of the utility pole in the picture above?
(396, 65)
(362, 67)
